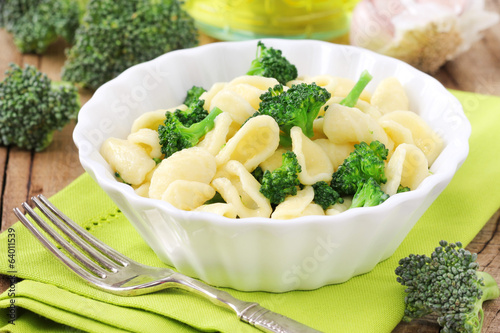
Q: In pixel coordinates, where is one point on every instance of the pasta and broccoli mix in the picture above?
(261, 147)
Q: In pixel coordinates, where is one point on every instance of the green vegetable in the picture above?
(116, 35)
(193, 94)
(296, 106)
(35, 24)
(175, 136)
(325, 195)
(193, 114)
(270, 62)
(368, 194)
(365, 162)
(352, 98)
(276, 185)
(258, 173)
(32, 107)
(449, 285)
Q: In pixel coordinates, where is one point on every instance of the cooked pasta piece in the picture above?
(274, 161)
(250, 87)
(339, 207)
(252, 144)
(241, 189)
(187, 194)
(148, 140)
(407, 166)
(337, 153)
(194, 163)
(153, 119)
(315, 164)
(350, 125)
(219, 208)
(390, 96)
(128, 159)
(232, 103)
(294, 206)
(217, 137)
(423, 136)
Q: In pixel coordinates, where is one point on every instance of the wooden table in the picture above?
(26, 173)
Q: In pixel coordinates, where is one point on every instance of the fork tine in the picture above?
(106, 249)
(91, 251)
(86, 262)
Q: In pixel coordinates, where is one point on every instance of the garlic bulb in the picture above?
(424, 33)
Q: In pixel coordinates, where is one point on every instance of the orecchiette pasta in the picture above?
(423, 136)
(128, 159)
(242, 191)
(223, 165)
(390, 96)
(253, 143)
(187, 194)
(314, 162)
(195, 164)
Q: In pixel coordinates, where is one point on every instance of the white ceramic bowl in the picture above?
(257, 253)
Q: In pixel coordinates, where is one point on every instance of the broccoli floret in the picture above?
(282, 181)
(325, 195)
(35, 24)
(258, 173)
(193, 95)
(193, 114)
(116, 35)
(402, 189)
(175, 136)
(32, 107)
(365, 162)
(447, 284)
(296, 106)
(270, 62)
(352, 98)
(368, 194)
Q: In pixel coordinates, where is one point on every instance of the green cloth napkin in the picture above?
(53, 299)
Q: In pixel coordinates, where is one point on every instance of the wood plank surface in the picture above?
(25, 173)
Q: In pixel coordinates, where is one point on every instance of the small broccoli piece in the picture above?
(352, 98)
(449, 285)
(325, 195)
(217, 198)
(365, 162)
(270, 62)
(175, 136)
(193, 95)
(115, 35)
(35, 24)
(193, 114)
(368, 194)
(296, 106)
(402, 189)
(258, 173)
(282, 181)
(32, 107)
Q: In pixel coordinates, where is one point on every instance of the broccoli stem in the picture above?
(203, 127)
(352, 98)
(490, 291)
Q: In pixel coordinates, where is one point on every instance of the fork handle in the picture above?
(248, 312)
(272, 322)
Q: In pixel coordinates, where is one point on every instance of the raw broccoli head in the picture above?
(175, 136)
(368, 194)
(35, 24)
(449, 285)
(270, 62)
(276, 185)
(296, 106)
(116, 35)
(193, 95)
(32, 107)
(365, 162)
(325, 195)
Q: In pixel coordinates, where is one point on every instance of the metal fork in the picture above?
(111, 271)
